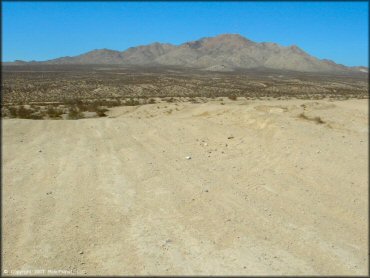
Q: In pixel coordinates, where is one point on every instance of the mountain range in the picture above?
(226, 52)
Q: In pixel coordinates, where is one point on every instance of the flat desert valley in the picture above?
(231, 187)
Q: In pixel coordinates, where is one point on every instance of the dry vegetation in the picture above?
(72, 92)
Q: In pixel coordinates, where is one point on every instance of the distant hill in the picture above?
(226, 52)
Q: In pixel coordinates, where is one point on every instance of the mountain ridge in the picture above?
(225, 52)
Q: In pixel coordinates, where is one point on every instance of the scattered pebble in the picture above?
(48, 193)
(230, 137)
(81, 252)
(188, 157)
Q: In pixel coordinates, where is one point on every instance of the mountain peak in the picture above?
(224, 41)
(230, 38)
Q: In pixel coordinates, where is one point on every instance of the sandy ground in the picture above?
(265, 191)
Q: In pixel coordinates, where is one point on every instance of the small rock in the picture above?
(81, 252)
(48, 193)
(230, 137)
(40, 151)
(206, 190)
(188, 157)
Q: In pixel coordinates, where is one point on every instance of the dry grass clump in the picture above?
(233, 97)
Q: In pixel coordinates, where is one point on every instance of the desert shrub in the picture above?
(12, 112)
(24, 113)
(193, 100)
(101, 112)
(131, 102)
(36, 117)
(74, 113)
(53, 113)
(151, 101)
(111, 103)
(233, 97)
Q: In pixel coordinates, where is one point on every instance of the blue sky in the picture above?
(46, 30)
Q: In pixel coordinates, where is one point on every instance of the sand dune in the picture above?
(272, 187)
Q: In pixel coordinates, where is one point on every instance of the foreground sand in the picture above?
(265, 191)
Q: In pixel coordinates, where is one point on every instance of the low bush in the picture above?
(54, 113)
(24, 113)
(74, 114)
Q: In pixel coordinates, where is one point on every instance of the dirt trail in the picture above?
(265, 191)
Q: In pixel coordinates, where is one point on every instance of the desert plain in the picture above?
(223, 187)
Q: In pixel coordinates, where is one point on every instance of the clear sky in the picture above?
(46, 30)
